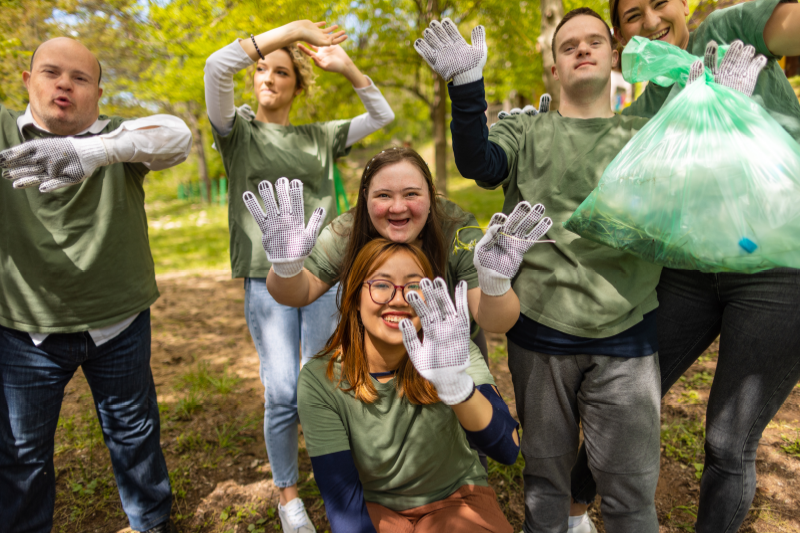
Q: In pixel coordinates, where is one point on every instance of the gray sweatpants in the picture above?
(618, 402)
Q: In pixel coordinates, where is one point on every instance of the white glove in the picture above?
(285, 239)
(498, 254)
(246, 112)
(446, 51)
(443, 356)
(53, 163)
(739, 69)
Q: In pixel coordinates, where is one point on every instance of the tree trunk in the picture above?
(439, 115)
(552, 13)
(199, 147)
(202, 168)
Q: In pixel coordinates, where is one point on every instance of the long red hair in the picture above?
(347, 343)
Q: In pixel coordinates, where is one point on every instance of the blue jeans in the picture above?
(757, 318)
(32, 383)
(283, 336)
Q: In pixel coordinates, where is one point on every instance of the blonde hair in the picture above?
(303, 67)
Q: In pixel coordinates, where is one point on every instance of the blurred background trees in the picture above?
(153, 54)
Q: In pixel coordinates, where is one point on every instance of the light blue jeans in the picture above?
(283, 337)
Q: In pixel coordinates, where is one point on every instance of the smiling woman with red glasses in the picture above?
(386, 444)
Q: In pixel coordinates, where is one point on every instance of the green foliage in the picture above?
(683, 440)
(203, 379)
(792, 446)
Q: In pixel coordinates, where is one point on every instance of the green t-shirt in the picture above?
(574, 285)
(744, 22)
(77, 258)
(256, 151)
(325, 261)
(407, 455)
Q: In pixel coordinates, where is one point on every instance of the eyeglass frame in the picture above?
(394, 290)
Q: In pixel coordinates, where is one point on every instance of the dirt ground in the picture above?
(211, 400)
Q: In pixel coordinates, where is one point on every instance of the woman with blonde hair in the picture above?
(265, 149)
(383, 410)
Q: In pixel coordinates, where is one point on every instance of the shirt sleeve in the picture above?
(337, 131)
(477, 158)
(463, 261)
(341, 490)
(325, 260)
(158, 142)
(218, 79)
(323, 427)
(378, 114)
(477, 369)
(497, 439)
(745, 21)
(509, 135)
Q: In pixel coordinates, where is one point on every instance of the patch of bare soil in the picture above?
(211, 400)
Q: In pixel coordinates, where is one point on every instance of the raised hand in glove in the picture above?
(443, 356)
(286, 239)
(498, 254)
(446, 51)
(739, 69)
(53, 163)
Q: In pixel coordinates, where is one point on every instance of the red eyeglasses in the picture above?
(382, 291)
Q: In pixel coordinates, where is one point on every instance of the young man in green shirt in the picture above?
(585, 347)
(76, 284)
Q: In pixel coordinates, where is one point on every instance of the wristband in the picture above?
(252, 38)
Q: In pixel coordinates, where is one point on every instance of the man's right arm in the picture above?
(477, 157)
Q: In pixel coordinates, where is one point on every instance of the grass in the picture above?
(683, 440)
(203, 379)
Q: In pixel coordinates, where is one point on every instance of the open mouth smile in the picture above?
(399, 223)
(393, 319)
(659, 35)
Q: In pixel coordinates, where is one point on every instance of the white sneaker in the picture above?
(581, 524)
(294, 518)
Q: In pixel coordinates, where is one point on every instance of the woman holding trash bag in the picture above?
(383, 408)
(756, 316)
(268, 148)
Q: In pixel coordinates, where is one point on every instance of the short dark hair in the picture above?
(576, 13)
(99, 79)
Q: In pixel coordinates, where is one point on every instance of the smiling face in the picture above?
(382, 321)
(583, 55)
(655, 19)
(275, 81)
(398, 202)
(63, 86)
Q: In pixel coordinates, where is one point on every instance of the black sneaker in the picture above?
(163, 527)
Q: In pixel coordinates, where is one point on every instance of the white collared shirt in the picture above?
(157, 148)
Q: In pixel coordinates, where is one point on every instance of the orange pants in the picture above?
(470, 509)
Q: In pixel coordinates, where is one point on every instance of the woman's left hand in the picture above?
(328, 58)
(443, 356)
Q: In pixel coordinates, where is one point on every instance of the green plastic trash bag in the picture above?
(711, 183)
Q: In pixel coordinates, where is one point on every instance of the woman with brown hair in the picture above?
(268, 147)
(383, 436)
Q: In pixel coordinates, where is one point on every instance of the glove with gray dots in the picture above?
(498, 255)
(446, 51)
(53, 163)
(285, 237)
(443, 356)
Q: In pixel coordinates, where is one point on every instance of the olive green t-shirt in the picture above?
(407, 455)
(573, 285)
(325, 261)
(255, 151)
(77, 258)
(744, 22)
